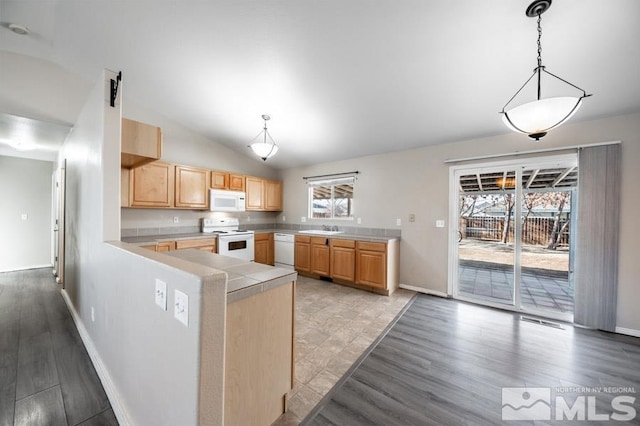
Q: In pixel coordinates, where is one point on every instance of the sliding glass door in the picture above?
(512, 241)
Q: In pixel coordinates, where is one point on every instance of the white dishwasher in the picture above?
(283, 250)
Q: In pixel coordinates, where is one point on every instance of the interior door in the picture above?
(58, 230)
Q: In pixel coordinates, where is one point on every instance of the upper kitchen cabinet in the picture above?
(141, 143)
(192, 187)
(226, 180)
(151, 185)
(263, 194)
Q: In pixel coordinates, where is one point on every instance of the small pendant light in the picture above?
(264, 149)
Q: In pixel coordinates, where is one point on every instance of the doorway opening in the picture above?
(513, 241)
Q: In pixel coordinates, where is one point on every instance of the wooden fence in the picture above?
(535, 230)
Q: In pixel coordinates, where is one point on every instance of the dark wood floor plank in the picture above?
(448, 361)
(42, 409)
(43, 362)
(106, 418)
(37, 369)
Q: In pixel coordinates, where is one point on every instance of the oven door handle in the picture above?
(233, 238)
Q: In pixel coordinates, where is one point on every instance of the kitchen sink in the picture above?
(319, 232)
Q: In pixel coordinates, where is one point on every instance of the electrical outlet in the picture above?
(176, 219)
(24, 216)
(181, 305)
(412, 217)
(359, 220)
(93, 315)
(303, 219)
(439, 223)
(161, 294)
(284, 218)
(399, 222)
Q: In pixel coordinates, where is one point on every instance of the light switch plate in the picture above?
(161, 294)
(440, 223)
(303, 219)
(399, 222)
(181, 305)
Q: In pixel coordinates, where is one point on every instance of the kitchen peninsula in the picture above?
(259, 337)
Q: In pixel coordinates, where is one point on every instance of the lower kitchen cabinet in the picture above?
(205, 244)
(264, 248)
(302, 253)
(166, 246)
(320, 256)
(343, 260)
(371, 261)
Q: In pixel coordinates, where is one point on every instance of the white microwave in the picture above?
(226, 201)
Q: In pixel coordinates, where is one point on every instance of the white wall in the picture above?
(394, 185)
(25, 186)
(147, 360)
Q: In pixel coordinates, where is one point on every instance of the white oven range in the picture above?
(231, 241)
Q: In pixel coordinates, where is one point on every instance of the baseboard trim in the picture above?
(628, 331)
(26, 268)
(424, 290)
(103, 374)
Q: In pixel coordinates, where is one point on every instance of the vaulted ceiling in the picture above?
(340, 79)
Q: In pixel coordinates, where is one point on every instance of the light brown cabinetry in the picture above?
(320, 256)
(263, 194)
(371, 264)
(302, 253)
(219, 180)
(259, 356)
(141, 143)
(264, 248)
(205, 244)
(343, 260)
(151, 185)
(236, 182)
(192, 187)
(151, 247)
(166, 246)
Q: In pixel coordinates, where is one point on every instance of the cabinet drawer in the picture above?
(343, 243)
(303, 239)
(205, 242)
(381, 247)
(323, 241)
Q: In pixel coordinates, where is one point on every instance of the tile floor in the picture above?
(550, 292)
(334, 326)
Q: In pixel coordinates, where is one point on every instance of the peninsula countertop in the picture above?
(244, 278)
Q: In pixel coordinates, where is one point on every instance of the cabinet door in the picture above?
(263, 251)
(192, 187)
(343, 260)
(219, 180)
(236, 182)
(371, 264)
(255, 193)
(273, 195)
(302, 253)
(320, 256)
(151, 185)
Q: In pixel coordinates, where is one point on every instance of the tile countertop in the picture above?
(153, 239)
(244, 278)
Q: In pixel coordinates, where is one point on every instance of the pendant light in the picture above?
(537, 117)
(264, 149)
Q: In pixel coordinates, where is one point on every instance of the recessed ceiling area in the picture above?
(339, 79)
(26, 137)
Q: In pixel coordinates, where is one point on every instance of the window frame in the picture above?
(332, 182)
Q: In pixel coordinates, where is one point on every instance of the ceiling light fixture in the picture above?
(19, 29)
(264, 149)
(537, 117)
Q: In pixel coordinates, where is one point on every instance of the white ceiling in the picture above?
(340, 79)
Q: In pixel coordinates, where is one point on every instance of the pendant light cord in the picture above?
(540, 67)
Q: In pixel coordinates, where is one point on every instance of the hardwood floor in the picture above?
(46, 375)
(447, 362)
